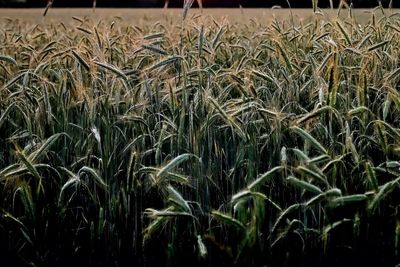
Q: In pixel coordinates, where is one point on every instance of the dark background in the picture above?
(178, 3)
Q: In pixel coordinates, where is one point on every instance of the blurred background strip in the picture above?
(178, 3)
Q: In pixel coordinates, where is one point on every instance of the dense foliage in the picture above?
(202, 143)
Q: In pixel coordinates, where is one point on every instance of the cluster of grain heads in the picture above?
(245, 144)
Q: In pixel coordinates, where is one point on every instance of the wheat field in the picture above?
(213, 138)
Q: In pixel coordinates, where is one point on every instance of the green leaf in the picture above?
(228, 220)
(307, 137)
(265, 177)
(304, 185)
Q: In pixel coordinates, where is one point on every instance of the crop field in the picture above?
(170, 138)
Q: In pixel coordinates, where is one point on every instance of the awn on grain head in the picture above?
(199, 2)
